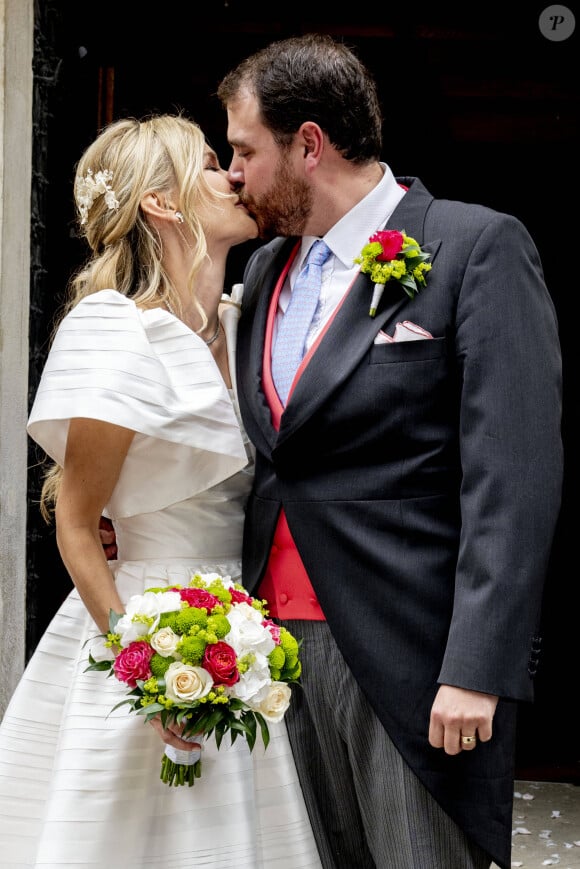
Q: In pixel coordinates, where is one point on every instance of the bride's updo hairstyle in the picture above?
(162, 154)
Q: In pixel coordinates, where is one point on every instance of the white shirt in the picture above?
(346, 240)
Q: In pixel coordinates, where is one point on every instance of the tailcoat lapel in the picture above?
(345, 342)
(352, 331)
(259, 281)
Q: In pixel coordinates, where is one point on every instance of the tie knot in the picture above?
(318, 253)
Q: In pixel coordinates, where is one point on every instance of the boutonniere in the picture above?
(391, 255)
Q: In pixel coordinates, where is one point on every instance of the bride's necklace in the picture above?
(213, 338)
(215, 334)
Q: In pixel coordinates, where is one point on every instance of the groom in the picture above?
(407, 489)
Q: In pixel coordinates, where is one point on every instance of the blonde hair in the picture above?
(162, 154)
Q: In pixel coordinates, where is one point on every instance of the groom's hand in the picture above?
(108, 538)
(458, 715)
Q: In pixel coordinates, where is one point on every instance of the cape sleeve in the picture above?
(146, 371)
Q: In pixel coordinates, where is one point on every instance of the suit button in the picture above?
(283, 598)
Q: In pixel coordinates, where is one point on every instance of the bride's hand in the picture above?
(171, 735)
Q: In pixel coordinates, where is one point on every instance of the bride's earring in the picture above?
(179, 217)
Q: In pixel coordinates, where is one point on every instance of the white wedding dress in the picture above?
(79, 784)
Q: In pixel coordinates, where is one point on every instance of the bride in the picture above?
(137, 410)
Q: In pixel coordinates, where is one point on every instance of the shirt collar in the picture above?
(347, 237)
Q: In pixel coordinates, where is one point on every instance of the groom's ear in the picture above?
(311, 139)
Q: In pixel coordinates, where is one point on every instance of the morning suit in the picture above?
(421, 483)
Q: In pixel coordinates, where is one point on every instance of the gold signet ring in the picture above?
(468, 740)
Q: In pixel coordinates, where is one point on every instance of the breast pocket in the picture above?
(408, 351)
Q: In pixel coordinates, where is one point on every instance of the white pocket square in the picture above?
(406, 331)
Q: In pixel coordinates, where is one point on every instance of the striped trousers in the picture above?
(367, 808)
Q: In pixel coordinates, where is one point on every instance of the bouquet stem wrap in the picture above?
(181, 767)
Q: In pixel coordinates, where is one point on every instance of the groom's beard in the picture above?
(284, 208)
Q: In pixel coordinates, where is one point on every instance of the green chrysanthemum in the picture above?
(168, 620)
(288, 643)
(283, 659)
(189, 617)
(277, 658)
(218, 625)
(290, 668)
(159, 665)
(191, 649)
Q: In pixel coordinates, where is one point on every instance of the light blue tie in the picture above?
(289, 347)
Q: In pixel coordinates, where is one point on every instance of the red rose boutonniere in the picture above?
(392, 255)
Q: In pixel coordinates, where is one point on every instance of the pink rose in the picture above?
(133, 662)
(240, 596)
(200, 598)
(391, 241)
(220, 661)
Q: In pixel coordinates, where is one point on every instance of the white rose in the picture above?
(247, 633)
(184, 683)
(142, 609)
(165, 642)
(275, 702)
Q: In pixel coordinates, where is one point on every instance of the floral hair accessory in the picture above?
(392, 255)
(90, 187)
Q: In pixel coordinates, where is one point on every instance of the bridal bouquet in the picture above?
(204, 655)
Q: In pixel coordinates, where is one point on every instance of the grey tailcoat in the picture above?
(422, 482)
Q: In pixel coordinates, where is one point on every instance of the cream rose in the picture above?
(184, 683)
(274, 702)
(165, 642)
